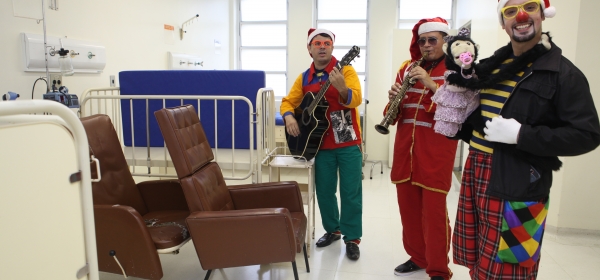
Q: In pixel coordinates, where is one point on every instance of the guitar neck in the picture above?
(324, 89)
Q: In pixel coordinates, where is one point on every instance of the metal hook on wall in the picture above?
(187, 22)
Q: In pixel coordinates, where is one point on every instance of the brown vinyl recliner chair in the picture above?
(231, 225)
(134, 222)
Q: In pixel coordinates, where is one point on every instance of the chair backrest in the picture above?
(200, 178)
(117, 185)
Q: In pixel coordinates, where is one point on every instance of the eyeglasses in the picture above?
(324, 43)
(529, 7)
(431, 40)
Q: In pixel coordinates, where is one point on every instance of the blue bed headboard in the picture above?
(196, 82)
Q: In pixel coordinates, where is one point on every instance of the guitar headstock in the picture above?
(352, 53)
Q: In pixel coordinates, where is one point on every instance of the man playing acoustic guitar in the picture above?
(339, 152)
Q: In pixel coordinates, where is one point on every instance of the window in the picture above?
(263, 40)
(347, 19)
(411, 11)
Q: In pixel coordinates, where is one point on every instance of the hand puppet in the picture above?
(455, 102)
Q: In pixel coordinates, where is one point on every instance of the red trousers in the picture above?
(425, 228)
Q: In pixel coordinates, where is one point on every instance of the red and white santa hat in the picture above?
(423, 26)
(549, 11)
(316, 31)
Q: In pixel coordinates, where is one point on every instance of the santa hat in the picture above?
(549, 11)
(316, 31)
(423, 26)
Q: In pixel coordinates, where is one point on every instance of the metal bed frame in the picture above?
(274, 157)
(50, 112)
(108, 101)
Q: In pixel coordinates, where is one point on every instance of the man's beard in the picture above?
(524, 38)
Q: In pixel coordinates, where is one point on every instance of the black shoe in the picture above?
(437, 278)
(352, 251)
(407, 268)
(327, 239)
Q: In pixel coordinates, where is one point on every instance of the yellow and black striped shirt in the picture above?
(492, 101)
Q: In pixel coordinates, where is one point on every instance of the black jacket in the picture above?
(554, 105)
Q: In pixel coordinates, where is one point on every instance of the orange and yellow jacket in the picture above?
(345, 114)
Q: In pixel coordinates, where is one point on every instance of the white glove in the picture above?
(502, 130)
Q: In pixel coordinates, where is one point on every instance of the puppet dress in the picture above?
(454, 105)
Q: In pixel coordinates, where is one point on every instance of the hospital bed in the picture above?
(46, 198)
(224, 100)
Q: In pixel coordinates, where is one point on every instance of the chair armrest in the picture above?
(267, 195)
(242, 237)
(123, 230)
(161, 195)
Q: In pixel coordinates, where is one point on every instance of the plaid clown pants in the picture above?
(478, 224)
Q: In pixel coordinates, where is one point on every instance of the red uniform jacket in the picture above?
(422, 156)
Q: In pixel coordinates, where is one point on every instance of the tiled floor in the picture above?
(381, 248)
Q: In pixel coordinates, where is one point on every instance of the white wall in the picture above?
(132, 32)
(383, 20)
(300, 20)
(233, 34)
(579, 193)
(564, 34)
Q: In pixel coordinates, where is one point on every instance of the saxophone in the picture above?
(393, 105)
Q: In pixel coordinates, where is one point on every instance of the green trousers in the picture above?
(347, 163)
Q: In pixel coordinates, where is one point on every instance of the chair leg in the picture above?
(375, 162)
(305, 257)
(295, 270)
(207, 274)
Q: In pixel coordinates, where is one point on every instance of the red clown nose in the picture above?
(522, 16)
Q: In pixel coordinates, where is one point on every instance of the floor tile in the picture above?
(567, 255)
(550, 269)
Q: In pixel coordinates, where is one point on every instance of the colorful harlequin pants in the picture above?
(478, 224)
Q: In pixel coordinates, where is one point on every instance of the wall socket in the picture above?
(112, 80)
(56, 80)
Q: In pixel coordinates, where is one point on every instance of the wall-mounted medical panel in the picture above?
(90, 57)
(179, 61)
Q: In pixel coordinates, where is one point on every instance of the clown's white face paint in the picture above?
(524, 30)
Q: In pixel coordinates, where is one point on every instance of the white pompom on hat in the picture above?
(316, 31)
(549, 11)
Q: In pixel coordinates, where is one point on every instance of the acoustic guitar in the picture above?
(312, 119)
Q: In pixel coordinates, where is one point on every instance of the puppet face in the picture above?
(463, 52)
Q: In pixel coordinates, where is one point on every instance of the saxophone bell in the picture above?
(382, 129)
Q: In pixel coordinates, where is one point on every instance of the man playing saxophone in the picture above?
(423, 159)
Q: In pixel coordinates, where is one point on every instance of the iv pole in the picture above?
(45, 46)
